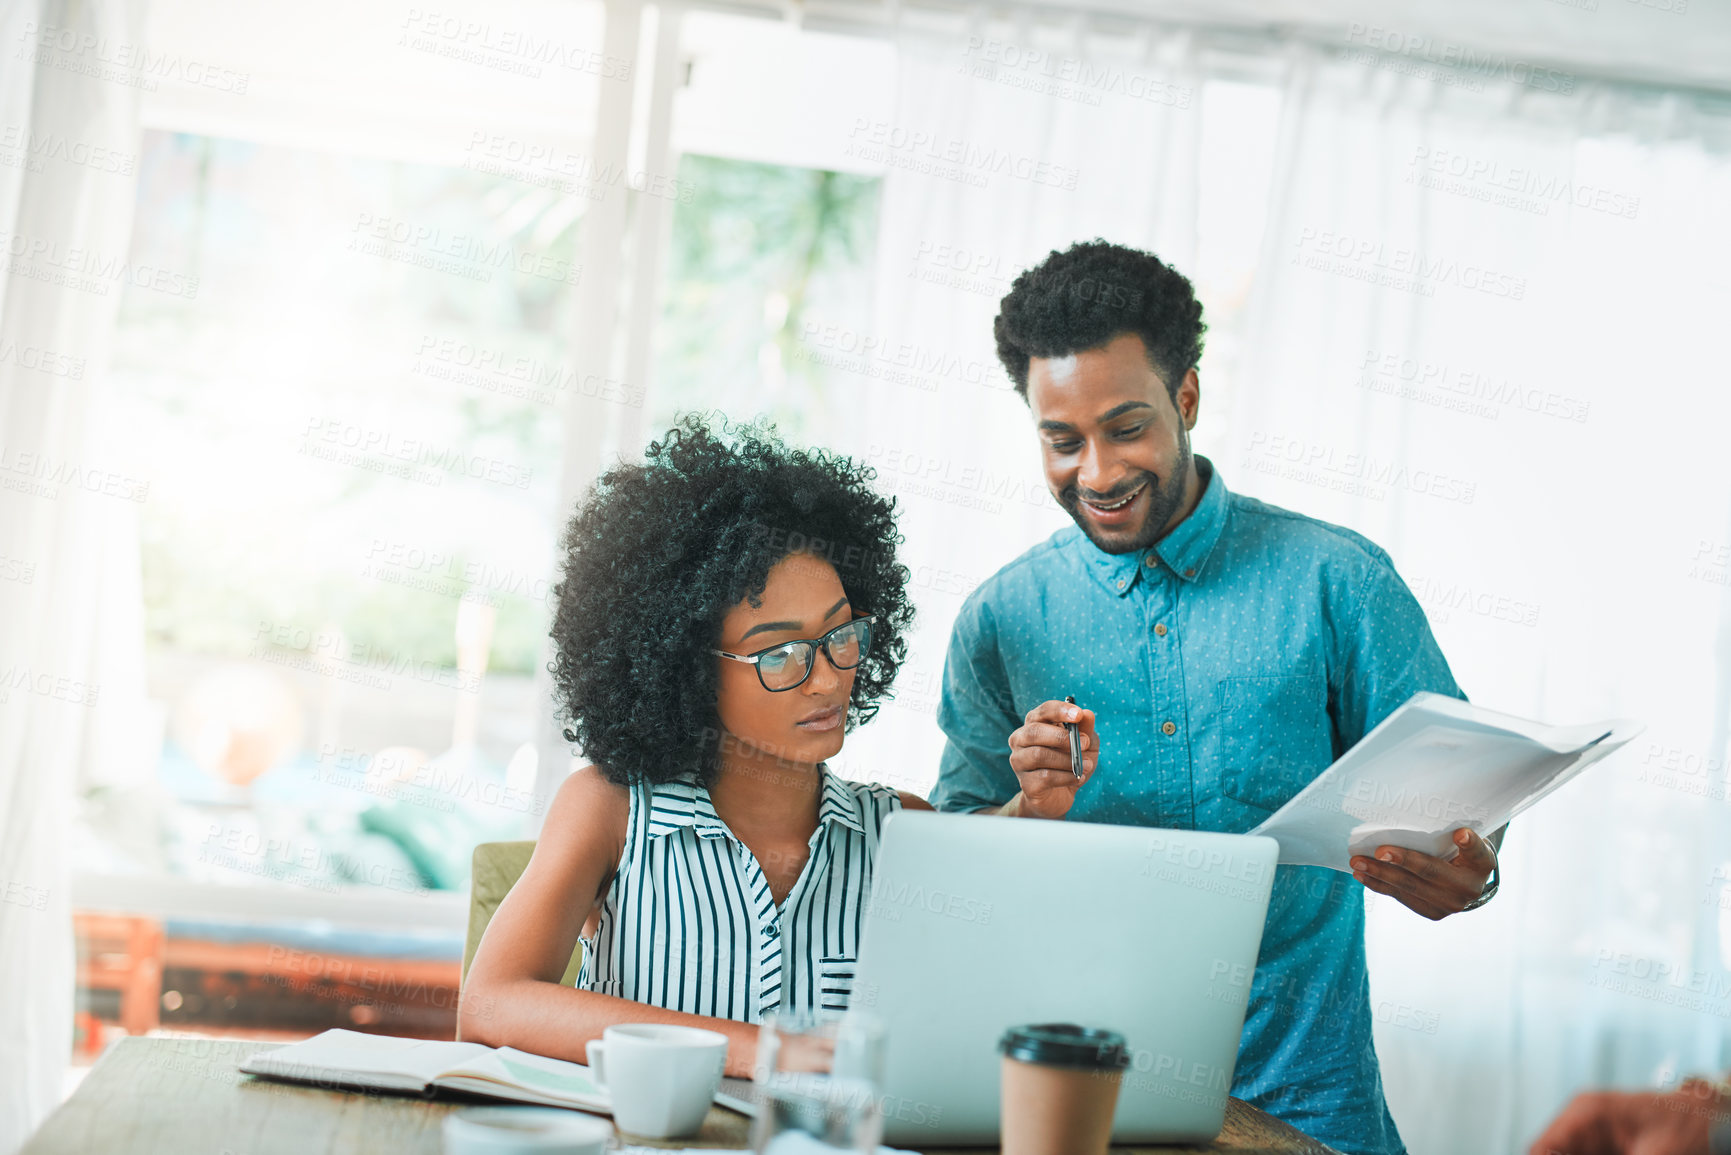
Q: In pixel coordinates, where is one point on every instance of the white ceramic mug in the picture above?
(660, 1078)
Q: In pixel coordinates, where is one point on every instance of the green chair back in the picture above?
(496, 868)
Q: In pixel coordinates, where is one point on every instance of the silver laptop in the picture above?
(976, 924)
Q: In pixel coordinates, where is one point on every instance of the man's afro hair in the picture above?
(1090, 293)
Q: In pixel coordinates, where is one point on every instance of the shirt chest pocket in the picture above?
(1275, 737)
(834, 983)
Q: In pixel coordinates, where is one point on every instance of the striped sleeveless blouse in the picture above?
(689, 923)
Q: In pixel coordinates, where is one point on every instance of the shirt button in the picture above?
(1150, 561)
(1190, 573)
(1168, 729)
(1120, 583)
(772, 930)
(1160, 630)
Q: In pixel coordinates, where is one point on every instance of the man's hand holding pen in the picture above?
(1040, 756)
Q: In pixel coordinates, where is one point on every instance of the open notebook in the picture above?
(423, 1066)
(341, 1058)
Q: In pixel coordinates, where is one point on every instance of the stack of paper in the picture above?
(1434, 765)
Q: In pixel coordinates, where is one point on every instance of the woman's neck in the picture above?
(756, 792)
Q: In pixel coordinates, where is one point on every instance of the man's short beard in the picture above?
(1164, 500)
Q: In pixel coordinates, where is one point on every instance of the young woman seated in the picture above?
(726, 613)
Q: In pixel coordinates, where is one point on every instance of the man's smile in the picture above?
(1117, 512)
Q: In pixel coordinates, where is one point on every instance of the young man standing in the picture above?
(1225, 651)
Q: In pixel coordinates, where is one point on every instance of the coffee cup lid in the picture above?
(1065, 1045)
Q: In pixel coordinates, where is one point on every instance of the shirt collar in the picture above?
(840, 804)
(685, 802)
(682, 803)
(1184, 550)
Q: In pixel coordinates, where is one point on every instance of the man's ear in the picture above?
(1188, 399)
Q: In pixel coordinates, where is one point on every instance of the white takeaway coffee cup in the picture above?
(660, 1078)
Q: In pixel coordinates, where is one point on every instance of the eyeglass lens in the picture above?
(787, 666)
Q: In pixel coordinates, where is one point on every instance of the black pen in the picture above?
(1075, 729)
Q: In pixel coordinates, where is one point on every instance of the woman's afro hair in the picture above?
(1090, 293)
(657, 553)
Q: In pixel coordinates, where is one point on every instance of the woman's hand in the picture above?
(1637, 1122)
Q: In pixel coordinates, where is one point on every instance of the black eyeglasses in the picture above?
(785, 666)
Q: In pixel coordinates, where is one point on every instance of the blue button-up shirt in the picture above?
(1227, 666)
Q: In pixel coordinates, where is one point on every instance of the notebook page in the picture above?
(356, 1053)
(548, 1078)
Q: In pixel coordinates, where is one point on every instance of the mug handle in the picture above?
(596, 1052)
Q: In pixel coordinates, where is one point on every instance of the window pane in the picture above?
(763, 256)
(349, 403)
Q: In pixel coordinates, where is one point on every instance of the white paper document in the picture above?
(1434, 765)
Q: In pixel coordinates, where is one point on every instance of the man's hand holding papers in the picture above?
(1407, 810)
(1431, 886)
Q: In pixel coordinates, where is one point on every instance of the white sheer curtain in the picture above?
(69, 120)
(1483, 332)
(1006, 141)
(1487, 332)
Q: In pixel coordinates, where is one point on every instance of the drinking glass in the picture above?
(819, 1082)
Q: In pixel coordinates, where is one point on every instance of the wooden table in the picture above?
(185, 1097)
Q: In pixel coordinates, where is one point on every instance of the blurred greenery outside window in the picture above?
(351, 423)
(760, 253)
